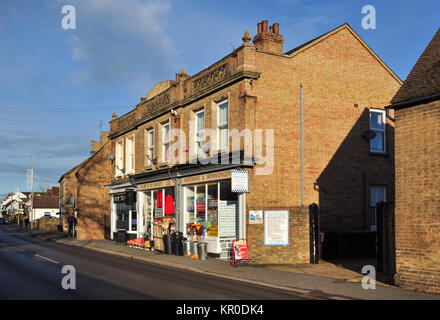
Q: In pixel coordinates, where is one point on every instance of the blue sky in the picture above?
(57, 85)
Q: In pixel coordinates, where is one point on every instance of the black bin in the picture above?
(179, 244)
(121, 236)
(167, 241)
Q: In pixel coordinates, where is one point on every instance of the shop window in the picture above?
(377, 124)
(147, 216)
(190, 205)
(200, 203)
(212, 216)
(222, 125)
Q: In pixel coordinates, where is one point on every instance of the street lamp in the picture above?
(32, 204)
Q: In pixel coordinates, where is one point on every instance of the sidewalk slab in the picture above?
(308, 285)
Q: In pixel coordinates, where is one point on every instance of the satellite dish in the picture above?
(110, 157)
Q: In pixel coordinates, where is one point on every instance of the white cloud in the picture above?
(119, 41)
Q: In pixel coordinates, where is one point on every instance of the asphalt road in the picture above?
(32, 269)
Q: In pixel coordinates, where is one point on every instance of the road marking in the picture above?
(53, 261)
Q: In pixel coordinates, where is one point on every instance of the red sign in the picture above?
(239, 251)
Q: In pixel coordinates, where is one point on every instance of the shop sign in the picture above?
(207, 177)
(239, 181)
(119, 197)
(276, 227)
(239, 251)
(156, 185)
(255, 216)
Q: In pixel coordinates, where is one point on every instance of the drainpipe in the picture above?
(302, 145)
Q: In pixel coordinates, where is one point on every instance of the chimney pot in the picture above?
(259, 27)
(264, 25)
(177, 77)
(276, 28)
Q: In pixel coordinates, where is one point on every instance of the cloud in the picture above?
(118, 41)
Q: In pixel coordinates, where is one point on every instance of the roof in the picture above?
(73, 169)
(45, 202)
(424, 78)
(322, 37)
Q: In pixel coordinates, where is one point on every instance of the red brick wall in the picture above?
(93, 198)
(298, 250)
(337, 74)
(417, 212)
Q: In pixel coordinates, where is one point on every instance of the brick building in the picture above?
(417, 152)
(347, 148)
(83, 192)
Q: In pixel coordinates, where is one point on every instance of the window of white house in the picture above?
(130, 152)
(166, 142)
(150, 146)
(377, 124)
(119, 158)
(200, 129)
(377, 193)
(222, 125)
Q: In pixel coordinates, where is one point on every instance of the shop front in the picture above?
(197, 207)
(211, 206)
(157, 201)
(124, 213)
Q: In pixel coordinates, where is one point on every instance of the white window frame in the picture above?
(197, 132)
(150, 146)
(119, 158)
(165, 142)
(379, 130)
(130, 155)
(222, 126)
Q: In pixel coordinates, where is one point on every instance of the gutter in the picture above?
(412, 102)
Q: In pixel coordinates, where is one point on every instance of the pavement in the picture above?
(327, 280)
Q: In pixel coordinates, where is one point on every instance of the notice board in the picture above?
(276, 227)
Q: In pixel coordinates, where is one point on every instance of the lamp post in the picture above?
(32, 203)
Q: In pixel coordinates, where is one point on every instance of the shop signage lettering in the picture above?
(207, 177)
(156, 185)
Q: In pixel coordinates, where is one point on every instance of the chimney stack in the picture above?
(270, 41)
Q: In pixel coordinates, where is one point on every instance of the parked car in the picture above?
(3, 221)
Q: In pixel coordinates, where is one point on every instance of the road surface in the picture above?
(31, 268)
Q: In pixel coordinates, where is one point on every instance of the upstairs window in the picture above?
(130, 153)
(150, 146)
(377, 124)
(166, 142)
(119, 158)
(200, 129)
(222, 125)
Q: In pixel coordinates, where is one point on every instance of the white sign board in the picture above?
(276, 227)
(256, 217)
(239, 181)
